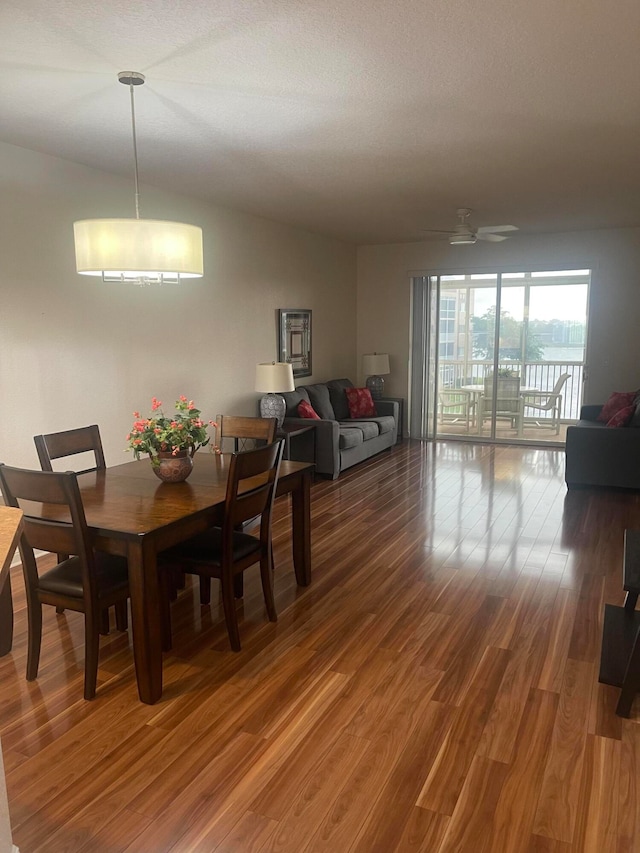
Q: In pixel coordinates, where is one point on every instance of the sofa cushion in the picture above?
(360, 403)
(618, 400)
(369, 429)
(320, 400)
(622, 417)
(306, 410)
(350, 438)
(386, 423)
(339, 398)
(293, 399)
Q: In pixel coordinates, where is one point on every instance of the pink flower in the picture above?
(183, 399)
(137, 441)
(136, 414)
(157, 430)
(174, 424)
(191, 405)
(213, 424)
(155, 404)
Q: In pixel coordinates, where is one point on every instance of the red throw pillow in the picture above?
(618, 400)
(360, 403)
(306, 410)
(622, 417)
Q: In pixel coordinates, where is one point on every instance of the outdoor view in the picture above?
(511, 353)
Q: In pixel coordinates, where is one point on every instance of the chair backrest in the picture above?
(240, 429)
(66, 531)
(557, 388)
(57, 445)
(253, 476)
(507, 395)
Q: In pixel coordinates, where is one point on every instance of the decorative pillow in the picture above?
(618, 400)
(306, 410)
(622, 417)
(360, 403)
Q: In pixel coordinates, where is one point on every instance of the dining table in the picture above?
(11, 525)
(130, 512)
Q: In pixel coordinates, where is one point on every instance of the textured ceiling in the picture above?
(370, 120)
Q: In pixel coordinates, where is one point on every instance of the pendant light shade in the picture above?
(129, 249)
(143, 251)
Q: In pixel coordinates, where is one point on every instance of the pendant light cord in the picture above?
(135, 152)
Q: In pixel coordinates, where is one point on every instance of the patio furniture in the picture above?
(506, 404)
(546, 401)
(455, 407)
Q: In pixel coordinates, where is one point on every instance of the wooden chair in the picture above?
(57, 445)
(88, 582)
(547, 401)
(242, 429)
(60, 445)
(225, 552)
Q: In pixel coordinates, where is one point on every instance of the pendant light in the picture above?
(142, 251)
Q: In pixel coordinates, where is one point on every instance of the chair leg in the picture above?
(59, 609)
(34, 617)
(205, 589)
(266, 576)
(166, 586)
(91, 649)
(238, 585)
(230, 615)
(104, 622)
(122, 615)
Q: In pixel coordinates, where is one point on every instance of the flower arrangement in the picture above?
(184, 431)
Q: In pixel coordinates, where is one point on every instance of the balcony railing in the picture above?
(540, 374)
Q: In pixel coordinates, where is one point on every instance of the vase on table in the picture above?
(172, 467)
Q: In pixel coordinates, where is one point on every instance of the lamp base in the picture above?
(375, 384)
(273, 406)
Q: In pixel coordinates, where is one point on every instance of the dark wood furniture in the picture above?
(87, 582)
(225, 551)
(131, 513)
(10, 529)
(240, 429)
(289, 431)
(58, 445)
(620, 655)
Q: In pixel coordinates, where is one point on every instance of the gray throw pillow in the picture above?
(320, 400)
(339, 398)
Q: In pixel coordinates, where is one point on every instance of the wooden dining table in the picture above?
(132, 513)
(10, 529)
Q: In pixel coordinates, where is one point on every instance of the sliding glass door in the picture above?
(498, 356)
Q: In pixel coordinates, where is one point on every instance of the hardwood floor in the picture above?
(434, 689)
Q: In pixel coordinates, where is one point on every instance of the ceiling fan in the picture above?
(464, 234)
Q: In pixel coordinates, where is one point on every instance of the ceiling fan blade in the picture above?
(435, 231)
(492, 238)
(496, 229)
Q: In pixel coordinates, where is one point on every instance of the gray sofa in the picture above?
(598, 455)
(339, 441)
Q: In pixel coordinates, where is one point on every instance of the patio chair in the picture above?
(547, 401)
(455, 407)
(507, 403)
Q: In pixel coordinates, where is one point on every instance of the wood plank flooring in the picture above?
(434, 690)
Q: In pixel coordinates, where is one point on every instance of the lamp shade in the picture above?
(375, 363)
(138, 249)
(274, 377)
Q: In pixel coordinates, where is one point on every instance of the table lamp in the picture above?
(273, 379)
(376, 364)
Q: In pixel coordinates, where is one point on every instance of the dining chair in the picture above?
(225, 551)
(547, 401)
(242, 429)
(58, 445)
(88, 582)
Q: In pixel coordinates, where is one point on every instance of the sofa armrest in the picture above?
(590, 413)
(327, 443)
(389, 407)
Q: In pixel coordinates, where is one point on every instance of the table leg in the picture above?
(145, 619)
(301, 528)
(6, 617)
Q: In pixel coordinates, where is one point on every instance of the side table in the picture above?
(400, 402)
(289, 431)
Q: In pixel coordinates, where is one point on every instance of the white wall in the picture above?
(614, 256)
(75, 351)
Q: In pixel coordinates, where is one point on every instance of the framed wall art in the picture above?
(294, 339)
